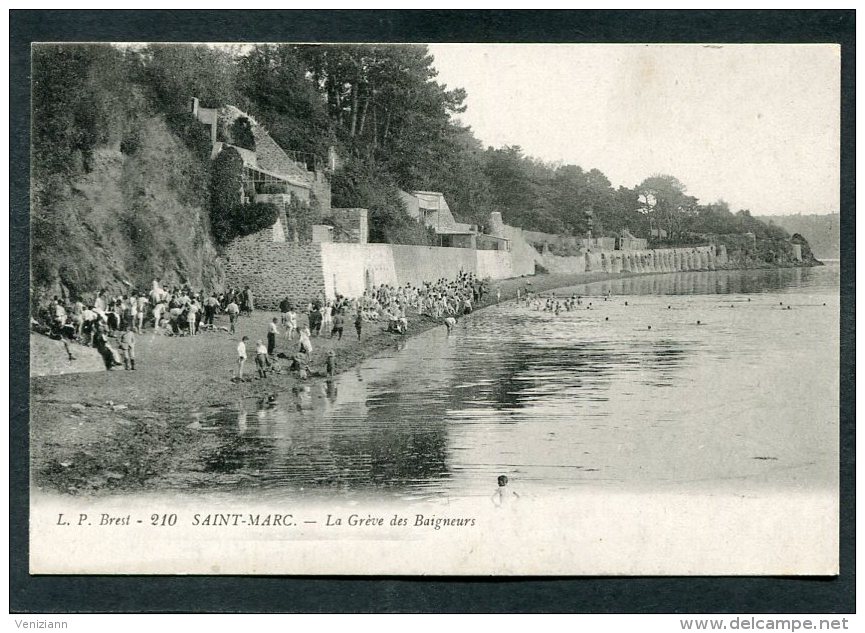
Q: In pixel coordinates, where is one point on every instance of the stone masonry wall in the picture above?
(274, 270)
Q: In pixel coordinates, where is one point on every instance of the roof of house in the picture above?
(268, 157)
(272, 157)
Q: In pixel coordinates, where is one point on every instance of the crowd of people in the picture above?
(110, 322)
(553, 303)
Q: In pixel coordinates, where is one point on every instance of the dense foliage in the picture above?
(247, 219)
(225, 188)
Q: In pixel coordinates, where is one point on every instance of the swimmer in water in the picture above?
(502, 495)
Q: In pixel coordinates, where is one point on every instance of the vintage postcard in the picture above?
(434, 309)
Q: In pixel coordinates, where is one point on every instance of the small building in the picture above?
(431, 208)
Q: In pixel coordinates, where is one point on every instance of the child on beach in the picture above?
(338, 324)
(261, 359)
(330, 364)
(241, 357)
(127, 346)
(358, 323)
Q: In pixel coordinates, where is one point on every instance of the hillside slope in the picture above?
(134, 215)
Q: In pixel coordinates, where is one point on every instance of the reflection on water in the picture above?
(589, 397)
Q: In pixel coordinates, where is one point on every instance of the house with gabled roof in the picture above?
(431, 208)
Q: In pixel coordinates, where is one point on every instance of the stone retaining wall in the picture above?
(274, 270)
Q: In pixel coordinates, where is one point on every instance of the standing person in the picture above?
(158, 310)
(232, 310)
(358, 323)
(58, 312)
(338, 324)
(305, 342)
(284, 307)
(210, 307)
(89, 321)
(271, 337)
(315, 320)
(174, 316)
(330, 364)
(498, 295)
(77, 314)
(249, 301)
(241, 357)
(192, 316)
(100, 305)
(327, 316)
(127, 347)
(142, 312)
(261, 359)
(291, 324)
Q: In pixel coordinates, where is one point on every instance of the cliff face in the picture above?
(747, 252)
(131, 216)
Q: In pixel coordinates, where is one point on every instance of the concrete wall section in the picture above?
(495, 265)
(416, 264)
(349, 269)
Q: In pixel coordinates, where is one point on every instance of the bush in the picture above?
(225, 186)
(247, 219)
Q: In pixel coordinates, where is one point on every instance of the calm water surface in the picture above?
(589, 398)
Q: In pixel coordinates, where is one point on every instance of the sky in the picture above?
(755, 125)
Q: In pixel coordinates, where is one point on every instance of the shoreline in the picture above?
(374, 343)
(96, 432)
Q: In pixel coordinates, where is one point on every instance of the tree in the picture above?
(274, 86)
(512, 189)
(80, 93)
(360, 184)
(178, 72)
(662, 200)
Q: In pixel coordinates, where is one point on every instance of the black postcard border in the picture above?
(256, 594)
